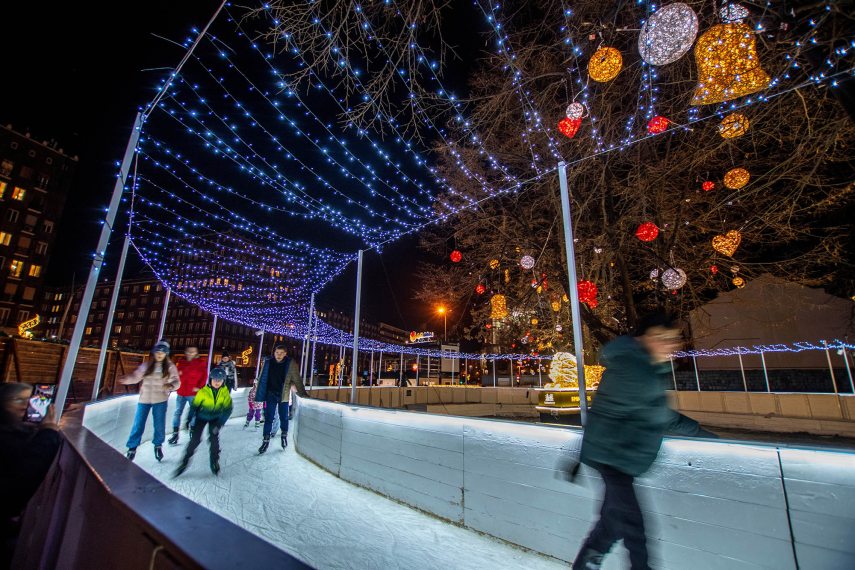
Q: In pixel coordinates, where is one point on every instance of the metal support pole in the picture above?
(830, 367)
(401, 370)
(428, 370)
(539, 373)
(573, 289)
(418, 367)
(697, 377)
(95, 269)
(356, 327)
(380, 368)
(848, 370)
(673, 374)
(340, 360)
(765, 372)
(494, 373)
(211, 346)
(304, 355)
(511, 379)
(742, 369)
(452, 369)
(105, 341)
(314, 347)
(260, 355)
(371, 369)
(163, 316)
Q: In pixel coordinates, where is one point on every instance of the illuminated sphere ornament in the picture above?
(559, 328)
(456, 256)
(673, 278)
(736, 178)
(494, 264)
(527, 262)
(647, 231)
(657, 124)
(556, 306)
(733, 126)
(739, 282)
(534, 321)
(569, 127)
(713, 269)
(733, 13)
(728, 243)
(587, 293)
(575, 111)
(654, 274)
(708, 185)
(480, 289)
(605, 64)
(728, 66)
(668, 34)
(498, 307)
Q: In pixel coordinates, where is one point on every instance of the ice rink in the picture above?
(323, 520)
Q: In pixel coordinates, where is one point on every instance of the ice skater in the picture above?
(278, 374)
(623, 434)
(193, 372)
(157, 378)
(254, 406)
(212, 407)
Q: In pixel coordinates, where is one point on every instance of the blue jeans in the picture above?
(180, 402)
(274, 404)
(158, 411)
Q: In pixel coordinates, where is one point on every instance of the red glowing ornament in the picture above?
(569, 127)
(488, 326)
(647, 231)
(587, 293)
(480, 289)
(456, 256)
(713, 269)
(657, 124)
(708, 185)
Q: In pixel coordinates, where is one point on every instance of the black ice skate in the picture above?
(215, 466)
(132, 452)
(284, 440)
(182, 467)
(158, 452)
(264, 445)
(174, 439)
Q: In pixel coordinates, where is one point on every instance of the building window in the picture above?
(26, 171)
(150, 330)
(120, 315)
(6, 167)
(35, 270)
(138, 329)
(117, 329)
(23, 316)
(5, 238)
(98, 330)
(29, 293)
(24, 242)
(55, 308)
(18, 193)
(136, 289)
(15, 268)
(12, 215)
(146, 288)
(2, 190)
(154, 314)
(30, 222)
(10, 290)
(43, 180)
(87, 331)
(47, 227)
(4, 317)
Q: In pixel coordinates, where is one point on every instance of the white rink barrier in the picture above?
(708, 504)
(112, 419)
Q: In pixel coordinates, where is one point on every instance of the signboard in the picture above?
(245, 356)
(417, 337)
(24, 328)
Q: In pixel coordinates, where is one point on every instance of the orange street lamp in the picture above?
(444, 312)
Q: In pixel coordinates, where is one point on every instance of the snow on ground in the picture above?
(324, 521)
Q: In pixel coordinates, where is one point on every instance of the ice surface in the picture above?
(324, 521)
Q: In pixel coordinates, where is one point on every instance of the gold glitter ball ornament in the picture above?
(736, 178)
(556, 306)
(733, 126)
(739, 282)
(605, 64)
(498, 307)
(494, 264)
(728, 66)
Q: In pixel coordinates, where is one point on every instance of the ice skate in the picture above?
(257, 424)
(264, 445)
(158, 453)
(284, 440)
(174, 439)
(246, 424)
(182, 467)
(215, 466)
(132, 452)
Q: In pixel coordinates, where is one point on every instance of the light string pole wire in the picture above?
(356, 311)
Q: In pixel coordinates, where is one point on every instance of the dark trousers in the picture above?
(196, 438)
(620, 518)
(271, 405)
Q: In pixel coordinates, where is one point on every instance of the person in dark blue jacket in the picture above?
(278, 374)
(623, 433)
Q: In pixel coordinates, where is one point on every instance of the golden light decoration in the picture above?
(733, 126)
(728, 243)
(507, 276)
(564, 373)
(494, 264)
(736, 178)
(556, 306)
(605, 64)
(728, 66)
(534, 321)
(739, 282)
(498, 307)
(565, 298)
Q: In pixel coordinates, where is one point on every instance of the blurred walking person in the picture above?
(228, 365)
(193, 374)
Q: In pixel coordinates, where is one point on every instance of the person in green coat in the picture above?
(212, 407)
(628, 418)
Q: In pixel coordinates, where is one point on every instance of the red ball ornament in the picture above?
(713, 269)
(456, 256)
(488, 326)
(657, 124)
(587, 293)
(647, 231)
(480, 289)
(569, 127)
(708, 185)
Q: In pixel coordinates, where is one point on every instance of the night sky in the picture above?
(78, 73)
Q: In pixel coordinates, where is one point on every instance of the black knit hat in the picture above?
(226, 353)
(160, 346)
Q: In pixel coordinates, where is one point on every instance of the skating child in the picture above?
(254, 407)
(212, 407)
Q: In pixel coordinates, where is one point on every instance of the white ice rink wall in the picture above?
(709, 505)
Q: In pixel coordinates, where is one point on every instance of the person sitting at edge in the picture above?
(278, 374)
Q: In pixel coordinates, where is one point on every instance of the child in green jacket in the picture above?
(211, 407)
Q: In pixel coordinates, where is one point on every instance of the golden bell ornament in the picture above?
(728, 66)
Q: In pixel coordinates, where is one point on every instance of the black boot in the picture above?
(284, 440)
(158, 452)
(264, 445)
(174, 439)
(132, 452)
(588, 559)
(215, 465)
(182, 467)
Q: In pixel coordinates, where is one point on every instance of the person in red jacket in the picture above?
(193, 372)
